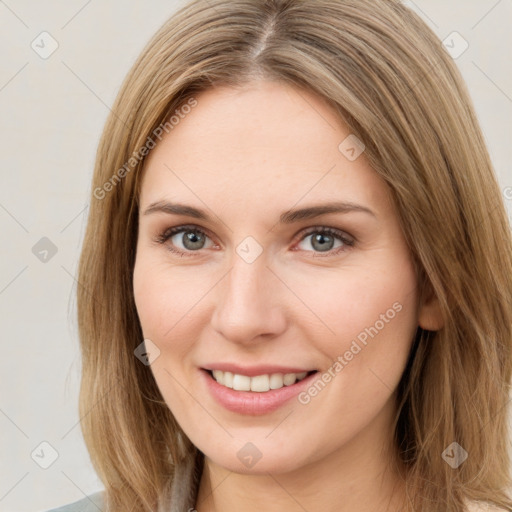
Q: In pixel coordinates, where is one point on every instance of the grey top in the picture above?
(184, 489)
(92, 503)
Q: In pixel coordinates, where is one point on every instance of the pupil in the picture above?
(321, 239)
(194, 239)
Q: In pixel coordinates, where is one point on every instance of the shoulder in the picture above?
(92, 503)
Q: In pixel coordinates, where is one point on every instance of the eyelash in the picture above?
(348, 243)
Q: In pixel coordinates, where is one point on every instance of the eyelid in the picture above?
(303, 233)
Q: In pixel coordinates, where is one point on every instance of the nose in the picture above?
(250, 304)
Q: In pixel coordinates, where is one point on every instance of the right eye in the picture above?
(192, 239)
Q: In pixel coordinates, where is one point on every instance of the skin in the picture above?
(247, 155)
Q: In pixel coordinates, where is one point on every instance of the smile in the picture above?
(258, 383)
(257, 394)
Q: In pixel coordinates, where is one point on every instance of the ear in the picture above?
(430, 317)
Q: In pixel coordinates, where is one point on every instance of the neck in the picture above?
(362, 475)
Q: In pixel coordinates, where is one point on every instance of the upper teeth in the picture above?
(259, 383)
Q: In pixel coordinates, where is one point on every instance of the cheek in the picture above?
(163, 297)
(373, 315)
(359, 304)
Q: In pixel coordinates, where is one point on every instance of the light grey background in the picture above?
(52, 114)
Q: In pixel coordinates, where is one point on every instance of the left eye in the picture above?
(323, 239)
(193, 239)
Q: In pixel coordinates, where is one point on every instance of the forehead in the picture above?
(266, 143)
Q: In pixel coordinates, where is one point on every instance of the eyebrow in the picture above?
(288, 217)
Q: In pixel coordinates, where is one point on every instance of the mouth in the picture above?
(256, 394)
(258, 383)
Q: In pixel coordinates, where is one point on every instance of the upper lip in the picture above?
(252, 371)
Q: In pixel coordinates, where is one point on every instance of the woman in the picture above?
(296, 277)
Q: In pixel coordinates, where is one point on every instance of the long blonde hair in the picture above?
(386, 74)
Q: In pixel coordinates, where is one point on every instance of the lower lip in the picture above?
(252, 402)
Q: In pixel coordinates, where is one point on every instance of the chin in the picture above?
(270, 464)
(259, 457)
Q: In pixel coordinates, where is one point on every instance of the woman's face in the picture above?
(272, 275)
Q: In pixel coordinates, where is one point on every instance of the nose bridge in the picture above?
(247, 305)
(244, 281)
